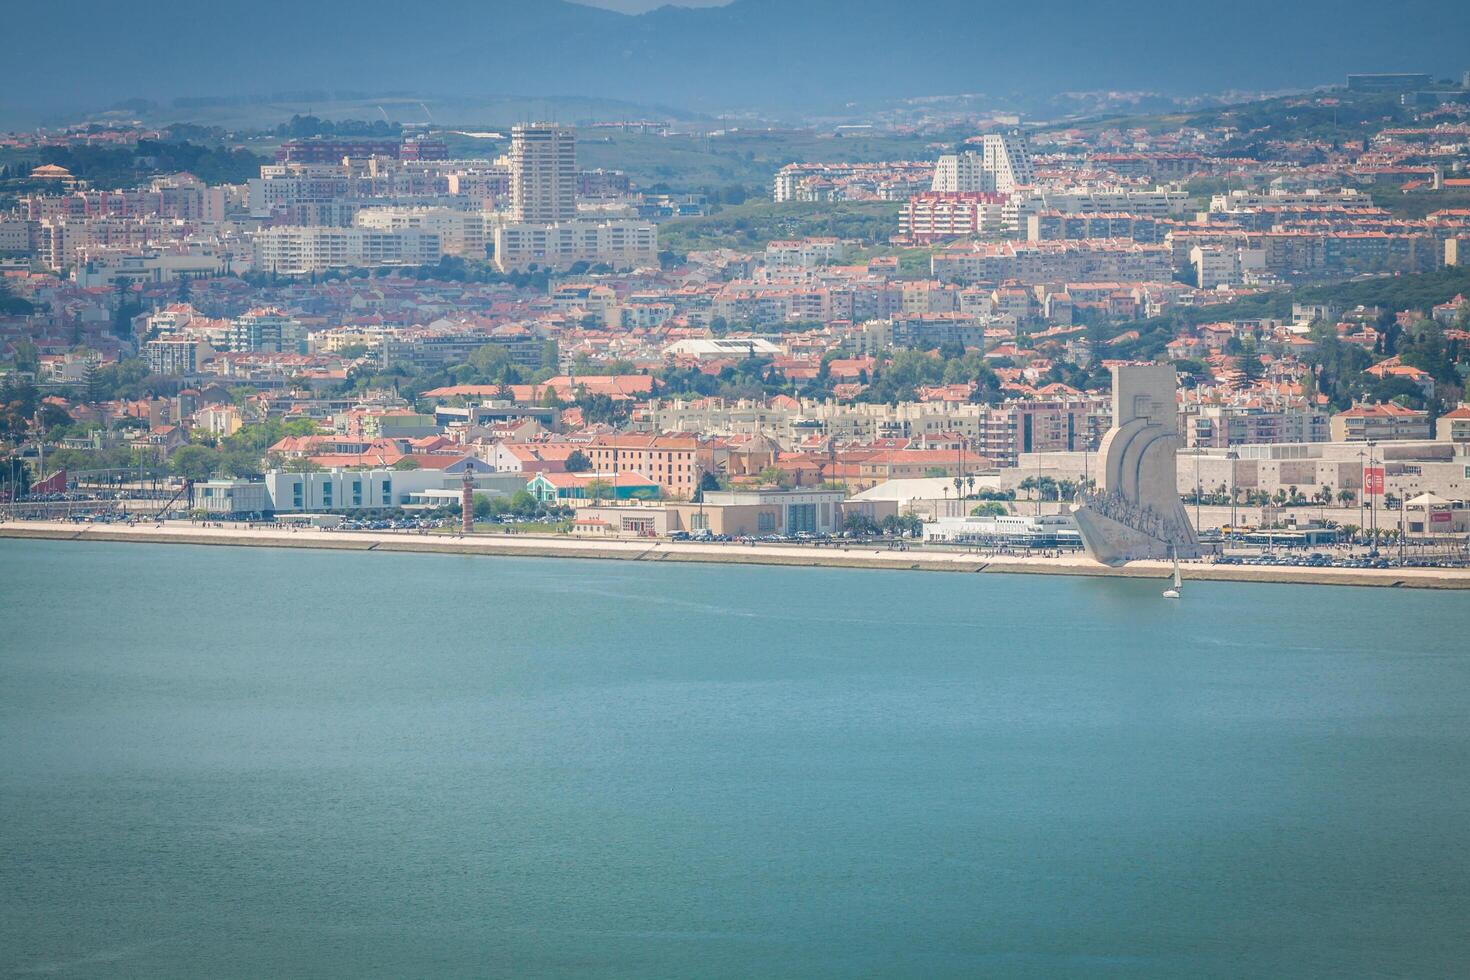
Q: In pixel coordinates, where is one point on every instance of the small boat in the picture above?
(1173, 591)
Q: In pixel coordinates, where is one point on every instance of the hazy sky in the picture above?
(638, 6)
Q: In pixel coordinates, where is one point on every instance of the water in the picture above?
(236, 762)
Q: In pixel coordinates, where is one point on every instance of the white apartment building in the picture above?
(1006, 158)
(15, 235)
(1158, 203)
(937, 216)
(543, 174)
(461, 233)
(188, 260)
(619, 244)
(297, 250)
(1002, 165)
(265, 330)
(961, 173)
(1237, 200)
(1217, 265)
(807, 253)
(1088, 260)
(286, 185)
(172, 355)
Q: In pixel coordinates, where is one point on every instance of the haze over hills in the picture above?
(759, 54)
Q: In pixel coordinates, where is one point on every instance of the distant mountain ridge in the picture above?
(760, 54)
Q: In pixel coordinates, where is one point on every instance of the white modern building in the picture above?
(339, 491)
(961, 173)
(619, 244)
(296, 250)
(1006, 158)
(1007, 530)
(1002, 164)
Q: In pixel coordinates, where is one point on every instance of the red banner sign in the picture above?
(1373, 480)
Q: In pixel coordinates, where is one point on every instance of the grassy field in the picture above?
(1417, 205)
(749, 159)
(752, 225)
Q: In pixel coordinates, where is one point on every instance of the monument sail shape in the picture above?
(1135, 511)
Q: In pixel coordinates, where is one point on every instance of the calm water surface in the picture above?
(243, 763)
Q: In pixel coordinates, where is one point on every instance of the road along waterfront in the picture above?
(842, 556)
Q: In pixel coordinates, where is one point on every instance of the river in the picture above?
(237, 762)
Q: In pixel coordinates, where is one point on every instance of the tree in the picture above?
(492, 364)
(1250, 360)
(122, 318)
(11, 305)
(194, 462)
(405, 464)
(577, 462)
(771, 476)
(862, 524)
(524, 504)
(27, 356)
(990, 508)
(241, 464)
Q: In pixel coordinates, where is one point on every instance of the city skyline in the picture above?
(813, 488)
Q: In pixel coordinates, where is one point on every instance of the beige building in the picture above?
(1454, 426)
(460, 232)
(1378, 423)
(742, 513)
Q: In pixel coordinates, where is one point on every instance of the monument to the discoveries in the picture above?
(1135, 511)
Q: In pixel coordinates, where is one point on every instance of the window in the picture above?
(765, 522)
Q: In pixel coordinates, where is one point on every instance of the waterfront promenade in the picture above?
(841, 556)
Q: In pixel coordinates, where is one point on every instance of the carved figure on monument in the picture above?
(1135, 511)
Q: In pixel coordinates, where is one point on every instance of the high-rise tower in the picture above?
(543, 174)
(1007, 159)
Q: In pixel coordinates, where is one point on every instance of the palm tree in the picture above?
(1346, 497)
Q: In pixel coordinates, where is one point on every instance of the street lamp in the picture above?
(1197, 487)
(1362, 488)
(1233, 457)
(1372, 482)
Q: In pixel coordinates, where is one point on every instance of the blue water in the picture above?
(247, 762)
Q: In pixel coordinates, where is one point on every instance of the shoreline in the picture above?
(531, 546)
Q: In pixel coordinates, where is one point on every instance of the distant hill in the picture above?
(761, 54)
